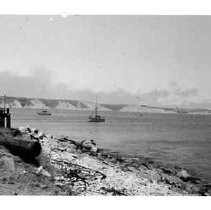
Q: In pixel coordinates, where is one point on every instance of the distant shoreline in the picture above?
(43, 103)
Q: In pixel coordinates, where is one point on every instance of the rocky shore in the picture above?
(70, 167)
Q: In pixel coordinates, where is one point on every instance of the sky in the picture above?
(156, 60)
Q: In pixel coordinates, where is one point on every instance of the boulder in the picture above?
(184, 175)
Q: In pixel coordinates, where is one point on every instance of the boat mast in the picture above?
(96, 107)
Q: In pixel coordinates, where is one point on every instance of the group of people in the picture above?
(85, 145)
(32, 132)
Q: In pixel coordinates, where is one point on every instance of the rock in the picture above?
(9, 164)
(34, 185)
(89, 145)
(46, 173)
(172, 180)
(43, 186)
(113, 191)
(208, 186)
(128, 168)
(135, 159)
(86, 144)
(41, 171)
(11, 182)
(167, 171)
(194, 180)
(62, 138)
(59, 178)
(155, 176)
(204, 190)
(61, 149)
(192, 189)
(184, 175)
(74, 156)
(120, 159)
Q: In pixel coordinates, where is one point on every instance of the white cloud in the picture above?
(40, 83)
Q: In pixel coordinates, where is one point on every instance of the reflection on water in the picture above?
(177, 139)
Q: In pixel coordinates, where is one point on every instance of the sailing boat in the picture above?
(96, 117)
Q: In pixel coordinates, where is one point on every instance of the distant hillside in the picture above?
(39, 103)
(36, 103)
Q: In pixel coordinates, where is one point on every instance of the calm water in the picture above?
(179, 139)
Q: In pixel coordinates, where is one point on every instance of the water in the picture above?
(178, 139)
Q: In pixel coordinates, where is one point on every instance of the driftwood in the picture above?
(69, 164)
(14, 141)
(76, 143)
(80, 145)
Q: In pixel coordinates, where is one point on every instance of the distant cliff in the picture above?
(39, 103)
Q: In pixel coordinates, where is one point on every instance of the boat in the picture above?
(95, 117)
(44, 112)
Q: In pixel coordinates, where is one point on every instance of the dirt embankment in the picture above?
(68, 167)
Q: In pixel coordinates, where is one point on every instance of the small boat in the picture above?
(44, 112)
(95, 117)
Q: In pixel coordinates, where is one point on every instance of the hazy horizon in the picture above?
(157, 60)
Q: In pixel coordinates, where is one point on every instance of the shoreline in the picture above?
(153, 173)
(73, 168)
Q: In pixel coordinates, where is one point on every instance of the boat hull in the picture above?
(44, 114)
(97, 120)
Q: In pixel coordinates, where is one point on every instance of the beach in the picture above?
(67, 167)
